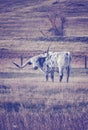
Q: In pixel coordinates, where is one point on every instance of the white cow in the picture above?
(57, 62)
(51, 62)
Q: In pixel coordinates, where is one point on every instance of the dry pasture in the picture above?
(28, 102)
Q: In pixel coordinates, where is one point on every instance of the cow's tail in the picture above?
(69, 57)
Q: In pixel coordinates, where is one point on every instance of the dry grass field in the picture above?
(28, 102)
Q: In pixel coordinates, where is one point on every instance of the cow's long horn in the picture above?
(19, 65)
(16, 65)
(22, 66)
(48, 49)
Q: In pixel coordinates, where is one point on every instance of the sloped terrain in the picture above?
(25, 19)
(27, 101)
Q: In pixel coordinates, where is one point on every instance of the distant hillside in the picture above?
(27, 19)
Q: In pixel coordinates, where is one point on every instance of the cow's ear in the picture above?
(29, 62)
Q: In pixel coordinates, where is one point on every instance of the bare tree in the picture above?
(57, 23)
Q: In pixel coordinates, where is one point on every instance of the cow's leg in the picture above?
(61, 74)
(46, 76)
(61, 77)
(52, 76)
(68, 72)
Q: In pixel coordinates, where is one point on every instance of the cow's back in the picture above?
(57, 60)
(63, 59)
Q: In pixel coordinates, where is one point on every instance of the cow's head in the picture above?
(39, 60)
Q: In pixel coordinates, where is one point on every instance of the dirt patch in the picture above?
(4, 89)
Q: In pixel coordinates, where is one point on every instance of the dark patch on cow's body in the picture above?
(41, 61)
(67, 54)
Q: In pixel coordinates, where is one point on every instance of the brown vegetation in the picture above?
(28, 102)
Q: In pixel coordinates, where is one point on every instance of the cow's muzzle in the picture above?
(29, 63)
(35, 68)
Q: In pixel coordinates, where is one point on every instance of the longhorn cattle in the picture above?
(50, 62)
